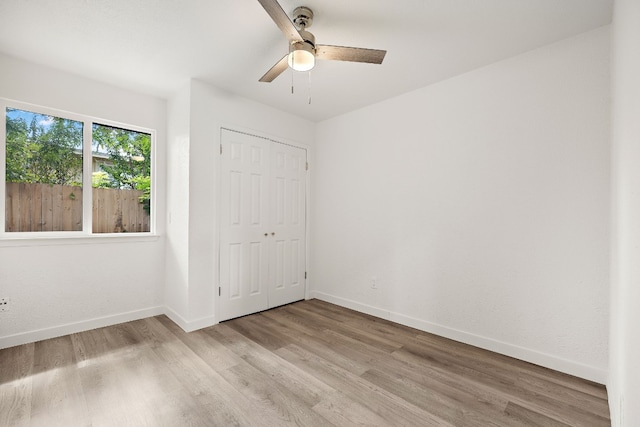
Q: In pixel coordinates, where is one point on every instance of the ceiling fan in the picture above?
(303, 50)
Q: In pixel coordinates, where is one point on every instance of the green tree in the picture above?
(129, 163)
(100, 180)
(17, 153)
(47, 150)
(58, 151)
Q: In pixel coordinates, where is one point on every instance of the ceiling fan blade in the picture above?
(276, 70)
(353, 54)
(281, 19)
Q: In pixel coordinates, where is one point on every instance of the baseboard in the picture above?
(189, 325)
(72, 328)
(548, 361)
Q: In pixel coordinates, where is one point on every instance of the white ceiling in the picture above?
(156, 46)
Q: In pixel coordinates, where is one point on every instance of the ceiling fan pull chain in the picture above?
(291, 81)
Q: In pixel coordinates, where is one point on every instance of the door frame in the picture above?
(218, 203)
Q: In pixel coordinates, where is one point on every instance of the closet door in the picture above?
(244, 224)
(262, 224)
(287, 207)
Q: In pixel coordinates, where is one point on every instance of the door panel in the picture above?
(286, 280)
(262, 224)
(243, 222)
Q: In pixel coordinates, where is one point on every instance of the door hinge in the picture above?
(305, 274)
(307, 166)
(220, 148)
(219, 290)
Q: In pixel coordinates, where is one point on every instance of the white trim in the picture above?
(307, 226)
(77, 239)
(259, 134)
(72, 328)
(3, 163)
(87, 180)
(570, 367)
(189, 325)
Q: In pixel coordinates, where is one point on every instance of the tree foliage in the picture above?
(129, 159)
(46, 149)
(16, 154)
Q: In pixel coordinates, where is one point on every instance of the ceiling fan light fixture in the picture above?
(302, 56)
(303, 50)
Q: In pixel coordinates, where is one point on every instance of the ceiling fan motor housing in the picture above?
(308, 38)
(302, 17)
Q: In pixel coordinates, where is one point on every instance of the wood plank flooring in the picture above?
(310, 363)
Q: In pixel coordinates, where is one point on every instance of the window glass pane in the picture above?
(121, 180)
(43, 172)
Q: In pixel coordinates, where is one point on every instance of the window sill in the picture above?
(84, 239)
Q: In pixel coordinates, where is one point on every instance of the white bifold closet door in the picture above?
(262, 224)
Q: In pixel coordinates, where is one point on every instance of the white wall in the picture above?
(67, 285)
(624, 381)
(177, 244)
(480, 204)
(192, 264)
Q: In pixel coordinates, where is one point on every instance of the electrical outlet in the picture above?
(374, 282)
(4, 304)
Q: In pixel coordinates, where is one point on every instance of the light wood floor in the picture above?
(309, 363)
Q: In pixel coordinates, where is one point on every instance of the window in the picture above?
(43, 172)
(50, 158)
(121, 179)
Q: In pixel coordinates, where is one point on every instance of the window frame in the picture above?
(87, 169)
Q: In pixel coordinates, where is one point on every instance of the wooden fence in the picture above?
(44, 207)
